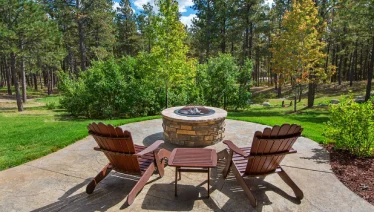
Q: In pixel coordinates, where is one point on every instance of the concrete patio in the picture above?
(57, 182)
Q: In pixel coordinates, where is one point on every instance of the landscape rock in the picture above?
(334, 101)
(359, 99)
(266, 104)
(250, 101)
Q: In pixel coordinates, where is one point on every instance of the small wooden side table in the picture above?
(192, 160)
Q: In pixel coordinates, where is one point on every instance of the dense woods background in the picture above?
(231, 45)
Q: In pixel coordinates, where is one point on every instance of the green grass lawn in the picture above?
(37, 131)
(312, 120)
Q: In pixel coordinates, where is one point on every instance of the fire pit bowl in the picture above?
(193, 126)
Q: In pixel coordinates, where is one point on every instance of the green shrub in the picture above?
(351, 127)
(131, 87)
(223, 83)
(101, 91)
(50, 105)
(126, 87)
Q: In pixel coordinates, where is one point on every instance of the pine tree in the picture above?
(25, 33)
(357, 18)
(88, 30)
(145, 23)
(169, 50)
(127, 42)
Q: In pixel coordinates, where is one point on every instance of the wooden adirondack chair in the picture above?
(126, 157)
(263, 158)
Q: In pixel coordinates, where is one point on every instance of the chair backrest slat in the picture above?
(264, 155)
(114, 139)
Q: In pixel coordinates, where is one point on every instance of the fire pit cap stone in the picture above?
(169, 113)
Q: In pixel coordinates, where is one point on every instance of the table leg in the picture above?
(176, 180)
(180, 175)
(208, 181)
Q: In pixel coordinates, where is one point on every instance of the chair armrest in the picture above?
(234, 148)
(151, 148)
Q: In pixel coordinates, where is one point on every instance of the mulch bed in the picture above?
(354, 172)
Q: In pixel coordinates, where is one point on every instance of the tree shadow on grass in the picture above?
(69, 117)
(311, 119)
(255, 112)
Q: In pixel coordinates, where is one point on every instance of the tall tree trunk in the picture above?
(23, 80)
(354, 69)
(294, 105)
(340, 70)
(246, 42)
(223, 34)
(250, 40)
(49, 76)
(346, 67)
(327, 56)
(336, 59)
(208, 33)
(167, 95)
(370, 73)
(348, 64)
(361, 65)
(70, 62)
(82, 47)
(366, 63)
(7, 75)
(333, 62)
(351, 61)
(280, 86)
(2, 74)
(35, 81)
(311, 94)
(16, 84)
(40, 79)
(258, 66)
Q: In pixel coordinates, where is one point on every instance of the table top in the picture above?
(193, 157)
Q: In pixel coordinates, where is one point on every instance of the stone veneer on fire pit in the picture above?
(193, 131)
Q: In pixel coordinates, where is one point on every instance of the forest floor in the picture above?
(39, 131)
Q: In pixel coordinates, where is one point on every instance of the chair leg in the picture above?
(243, 184)
(299, 194)
(226, 170)
(160, 160)
(99, 177)
(140, 184)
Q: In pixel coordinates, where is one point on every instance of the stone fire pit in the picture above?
(193, 126)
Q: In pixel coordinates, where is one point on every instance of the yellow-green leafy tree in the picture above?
(169, 52)
(298, 49)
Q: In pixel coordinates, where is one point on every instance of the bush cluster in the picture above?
(351, 127)
(131, 87)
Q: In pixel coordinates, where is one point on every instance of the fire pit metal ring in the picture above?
(194, 111)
